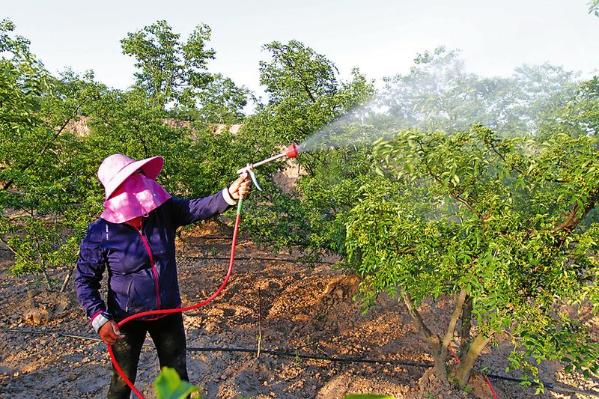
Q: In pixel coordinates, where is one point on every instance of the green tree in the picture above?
(221, 101)
(24, 80)
(498, 224)
(169, 70)
(46, 195)
(297, 71)
(39, 157)
(579, 115)
(174, 74)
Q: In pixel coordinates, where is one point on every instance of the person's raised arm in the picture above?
(187, 211)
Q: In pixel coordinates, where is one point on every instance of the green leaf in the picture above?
(168, 385)
(367, 396)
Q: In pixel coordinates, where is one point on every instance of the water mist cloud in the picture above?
(438, 94)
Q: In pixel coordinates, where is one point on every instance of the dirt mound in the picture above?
(304, 300)
(43, 306)
(346, 383)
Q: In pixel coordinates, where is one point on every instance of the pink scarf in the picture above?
(137, 196)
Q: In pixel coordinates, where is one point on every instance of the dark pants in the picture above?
(169, 338)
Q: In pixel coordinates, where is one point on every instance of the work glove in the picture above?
(240, 187)
(110, 332)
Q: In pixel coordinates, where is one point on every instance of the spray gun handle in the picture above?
(249, 170)
(254, 180)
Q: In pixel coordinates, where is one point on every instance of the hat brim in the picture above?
(151, 167)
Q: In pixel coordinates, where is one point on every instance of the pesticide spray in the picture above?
(439, 94)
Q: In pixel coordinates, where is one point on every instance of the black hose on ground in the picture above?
(297, 355)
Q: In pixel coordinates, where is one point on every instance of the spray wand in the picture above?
(290, 152)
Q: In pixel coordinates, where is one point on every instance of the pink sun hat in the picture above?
(116, 168)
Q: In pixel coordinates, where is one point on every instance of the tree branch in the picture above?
(418, 318)
(11, 249)
(464, 369)
(457, 311)
(66, 280)
(439, 354)
(457, 197)
(572, 219)
(466, 325)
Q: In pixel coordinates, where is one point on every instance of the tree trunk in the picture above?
(47, 278)
(464, 369)
(434, 340)
(439, 358)
(66, 280)
(455, 316)
(466, 325)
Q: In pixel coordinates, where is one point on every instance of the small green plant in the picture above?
(168, 385)
(367, 396)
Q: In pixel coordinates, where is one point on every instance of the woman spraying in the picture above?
(134, 239)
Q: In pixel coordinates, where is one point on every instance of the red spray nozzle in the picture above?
(292, 151)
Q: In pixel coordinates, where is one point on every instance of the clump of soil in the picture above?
(42, 305)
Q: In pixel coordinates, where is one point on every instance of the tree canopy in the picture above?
(495, 221)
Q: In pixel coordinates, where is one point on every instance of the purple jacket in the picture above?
(142, 273)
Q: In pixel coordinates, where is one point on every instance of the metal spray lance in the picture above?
(290, 152)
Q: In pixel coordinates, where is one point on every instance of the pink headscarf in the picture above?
(137, 196)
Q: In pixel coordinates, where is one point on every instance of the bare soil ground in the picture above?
(283, 305)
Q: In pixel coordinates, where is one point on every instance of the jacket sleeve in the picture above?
(90, 267)
(187, 211)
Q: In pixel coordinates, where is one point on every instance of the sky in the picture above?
(380, 37)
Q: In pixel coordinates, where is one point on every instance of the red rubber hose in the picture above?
(493, 393)
(206, 301)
